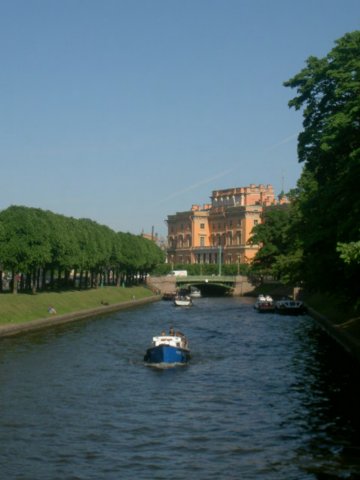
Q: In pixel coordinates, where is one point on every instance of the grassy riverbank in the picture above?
(22, 308)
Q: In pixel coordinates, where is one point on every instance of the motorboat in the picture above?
(168, 349)
(288, 306)
(264, 304)
(195, 292)
(183, 301)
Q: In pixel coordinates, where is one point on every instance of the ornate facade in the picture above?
(219, 231)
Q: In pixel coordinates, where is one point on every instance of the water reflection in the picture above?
(330, 391)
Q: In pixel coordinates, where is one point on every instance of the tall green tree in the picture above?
(24, 243)
(328, 92)
(280, 250)
(271, 236)
(35, 244)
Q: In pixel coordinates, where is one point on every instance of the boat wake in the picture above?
(165, 366)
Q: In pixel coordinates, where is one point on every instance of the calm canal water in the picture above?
(264, 397)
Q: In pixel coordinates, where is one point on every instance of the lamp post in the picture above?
(219, 260)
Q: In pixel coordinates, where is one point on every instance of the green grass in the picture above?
(23, 308)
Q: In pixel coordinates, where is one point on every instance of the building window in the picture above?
(202, 241)
(202, 225)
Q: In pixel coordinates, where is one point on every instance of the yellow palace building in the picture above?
(220, 230)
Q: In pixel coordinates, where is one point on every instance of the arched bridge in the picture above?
(230, 284)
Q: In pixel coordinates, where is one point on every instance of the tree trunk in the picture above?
(14, 279)
(66, 278)
(43, 279)
(33, 280)
(74, 277)
(38, 276)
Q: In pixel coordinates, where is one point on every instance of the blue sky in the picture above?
(126, 111)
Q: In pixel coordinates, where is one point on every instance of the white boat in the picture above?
(287, 306)
(183, 301)
(264, 304)
(195, 292)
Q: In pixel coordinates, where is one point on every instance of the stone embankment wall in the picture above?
(242, 286)
(162, 284)
(347, 334)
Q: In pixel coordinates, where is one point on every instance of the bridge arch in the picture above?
(230, 285)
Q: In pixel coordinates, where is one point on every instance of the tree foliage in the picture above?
(350, 252)
(34, 244)
(328, 91)
(322, 235)
(280, 251)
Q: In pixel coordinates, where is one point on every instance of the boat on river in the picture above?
(182, 300)
(169, 296)
(195, 292)
(168, 349)
(264, 304)
(288, 306)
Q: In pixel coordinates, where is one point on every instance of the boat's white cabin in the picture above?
(171, 340)
(264, 298)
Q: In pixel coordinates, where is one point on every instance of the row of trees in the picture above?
(41, 249)
(315, 240)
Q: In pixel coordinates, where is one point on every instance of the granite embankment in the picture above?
(346, 333)
(7, 330)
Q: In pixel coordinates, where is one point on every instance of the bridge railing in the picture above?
(206, 279)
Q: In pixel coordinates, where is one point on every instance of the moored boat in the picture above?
(264, 304)
(168, 349)
(195, 292)
(287, 306)
(169, 296)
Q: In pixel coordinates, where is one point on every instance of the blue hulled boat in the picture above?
(170, 349)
